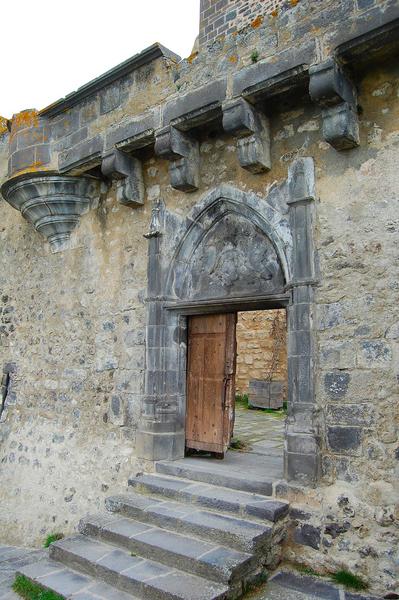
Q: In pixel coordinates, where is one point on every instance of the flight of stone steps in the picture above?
(169, 538)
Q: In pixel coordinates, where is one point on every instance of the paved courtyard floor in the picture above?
(11, 558)
(262, 432)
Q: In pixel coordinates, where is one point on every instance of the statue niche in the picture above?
(233, 259)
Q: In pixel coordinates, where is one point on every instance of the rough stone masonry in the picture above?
(261, 171)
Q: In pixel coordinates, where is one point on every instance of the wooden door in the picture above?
(211, 366)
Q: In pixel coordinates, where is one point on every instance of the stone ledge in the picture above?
(92, 87)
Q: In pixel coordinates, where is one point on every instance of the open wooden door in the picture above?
(211, 366)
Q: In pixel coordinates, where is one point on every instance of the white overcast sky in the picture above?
(49, 48)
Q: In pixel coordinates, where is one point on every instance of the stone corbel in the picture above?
(53, 204)
(252, 129)
(127, 170)
(331, 89)
(183, 152)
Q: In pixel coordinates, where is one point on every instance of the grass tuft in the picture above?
(53, 537)
(242, 400)
(29, 590)
(305, 570)
(237, 444)
(349, 580)
(254, 56)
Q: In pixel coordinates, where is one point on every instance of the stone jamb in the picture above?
(161, 435)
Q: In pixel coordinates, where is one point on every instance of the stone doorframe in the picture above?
(202, 264)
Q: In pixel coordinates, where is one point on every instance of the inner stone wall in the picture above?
(261, 347)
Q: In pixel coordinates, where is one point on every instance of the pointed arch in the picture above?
(249, 237)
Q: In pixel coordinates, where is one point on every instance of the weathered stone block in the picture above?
(110, 98)
(83, 156)
(301, 180)
(183, 152)
(22, 159)
(65, 125)
(203, 99)
(302, 468)
(344, 440)
(341, 126)
(302, 444)
(374, 354)
(351, 414)
(266, 394)
(336, 384)
(336, 94)
(308, 535)
(253, 130)
(127, 170)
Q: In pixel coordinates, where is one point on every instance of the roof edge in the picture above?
(88, 89)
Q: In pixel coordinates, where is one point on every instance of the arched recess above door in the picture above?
(232, 244)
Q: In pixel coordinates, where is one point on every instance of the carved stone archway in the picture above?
(235, 250)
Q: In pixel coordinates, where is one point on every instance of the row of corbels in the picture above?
(329, 87)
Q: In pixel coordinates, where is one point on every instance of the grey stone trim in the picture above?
(331, 89)
(253, 132)
(128, 172)
(92, 87)
(133, 134)
(362, 40)
(82, 157)
(183, 152)
(278, 74)
(52, 203)
(196, 107)
(285, 220)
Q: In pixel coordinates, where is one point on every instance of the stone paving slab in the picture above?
(218, 498)
(238, 470)
(287, 585)
(260, 430)
(11, 559)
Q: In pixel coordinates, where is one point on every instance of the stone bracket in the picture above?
(331, 89)
(183, 153)
(53, 204)
(252, 129)
(127, 171)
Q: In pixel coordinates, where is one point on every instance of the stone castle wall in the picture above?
(224, 17)
(72, 335)
(261, 347)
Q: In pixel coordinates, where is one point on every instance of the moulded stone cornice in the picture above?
(53, 204)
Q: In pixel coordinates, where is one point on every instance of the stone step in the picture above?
(69, 583)
(242, 534)
(189, 554)
(214, 497)
(237, 471)
(134, 575)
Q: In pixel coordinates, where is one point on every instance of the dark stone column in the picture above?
(302, 457)
(161, 434)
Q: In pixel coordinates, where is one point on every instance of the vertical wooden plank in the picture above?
(210, 382)
(230, 371)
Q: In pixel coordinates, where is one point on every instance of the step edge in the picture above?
(144, 550)
(160, 476)
(257, 536)
(222, 587)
